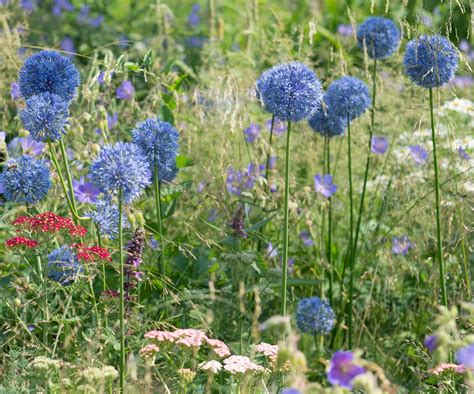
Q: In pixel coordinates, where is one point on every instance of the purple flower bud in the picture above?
(125, 91)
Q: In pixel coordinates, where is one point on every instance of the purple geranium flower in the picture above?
(272, 251)
(305, 237)
(252, 132)
(463, 155)
(61, 5)
(15, 91)
(125, 91)
(84, 191)
(67, 45)
(31, 147)
(431, 343)
(345, 30)
(323, 185)
(419, 154)
(279, 127)
(465, 356)
(272, 162)
(201, 186)
(237, 180)
(112, 120)
(194, 18)
(379, 145)
(401, 245)
(343, 369)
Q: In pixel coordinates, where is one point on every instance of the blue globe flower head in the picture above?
(315, 316)
(348, 98)
(158, 141)
(48, 71)
(106, 217)
(326, 123)
(379, 35)
(64, 266)
(168, 175)
(290, 91)
(430, 61)
(120, 167)
(45, 116)
(25, 180)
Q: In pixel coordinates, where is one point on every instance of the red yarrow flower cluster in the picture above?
(91, 253)
(48, 223)
(21, 242)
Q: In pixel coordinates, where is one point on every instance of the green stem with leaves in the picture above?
(442, 283)
(351, 234)
(157, 187)
(284, 267)
(122, 295)
(329, 239)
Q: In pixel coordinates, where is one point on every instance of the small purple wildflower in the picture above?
(379, 145)
(252, 133)
(465, 356)
(419, 154)
(212, 215)
(273, 188)
(323, 185)
(195, 42)
(125, 91)
(291, 390)
(67, 45)
(85, 192)
(31, 147)
(112, 120)
(15, 91)
(345, 30)
(431, 343)
(238, 181)
(401, 245)
(61, 5)
(343, 369)
(194, 18)
(279, 127)
(462, 81)
(28, 5)
(201, 186)
(305, 237)
(237, 225)
(153, 243)
(463, 155)
(31, 327)
(272, 251)
(272, 162)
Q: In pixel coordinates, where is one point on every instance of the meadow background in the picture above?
(195, 64)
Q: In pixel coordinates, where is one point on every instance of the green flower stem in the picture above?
(156, 184)
(284, 267)
(367, 163)
(39, 268)
(122, 295)
(329, 239)
(442, 283)
(61, 326)
(68, 175)
(351, 234)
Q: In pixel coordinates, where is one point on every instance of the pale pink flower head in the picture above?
(190, 337)
(149, 351)
(438, 370)
(212, 366)
(241, 365)
(266, 349)
(218, 347)
(161, 336)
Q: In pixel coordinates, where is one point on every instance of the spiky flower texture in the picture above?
(49, 72)
(63, 265)
(158, 141)
(430, 61)
(315, 316)
(106, 218)
(45, 116)
(380, 36)
(290, 91)
(25, 180)
(326, 123)
(120, 167)
(348, 97)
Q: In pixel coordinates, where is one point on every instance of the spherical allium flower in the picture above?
(25, 180)
(120, 167)
(290, 91)
(168, 175)
(106, 218)
(379, 35)
(430, 61)
(347, 97)
(63, 265)
(326, 123)
(45, 116)
(315, 316)
(158, 141)
(465, 356)
(49, 72)
(343, 369)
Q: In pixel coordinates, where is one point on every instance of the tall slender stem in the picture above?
(351, 233)
(367, 163)
(122, 295)
(156, 184)
(442, 282)
(284, 268)
(68, 175)
(329, 245)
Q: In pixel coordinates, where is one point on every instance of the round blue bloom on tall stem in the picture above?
(430, 61)
(106, 218)
(158, 141)
(326, 123)
(45, 116)
(290, 91)
(348, 98)
(120, 167)
(315, 316)
(48, 71)
(379, 35)
(25, 179)
(63, 265)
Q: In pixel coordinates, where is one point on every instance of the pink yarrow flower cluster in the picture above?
(270, 351)
(241, 365)
(438, 370)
